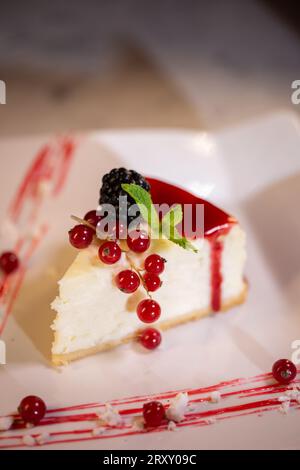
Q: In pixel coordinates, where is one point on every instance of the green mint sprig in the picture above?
(168, 225)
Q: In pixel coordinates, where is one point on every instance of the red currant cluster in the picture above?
(82, 235)
(129, 280)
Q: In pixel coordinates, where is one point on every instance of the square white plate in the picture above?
(252, 171)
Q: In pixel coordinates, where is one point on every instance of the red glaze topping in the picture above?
(215, 220)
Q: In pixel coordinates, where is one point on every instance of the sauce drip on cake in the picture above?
(216, 223)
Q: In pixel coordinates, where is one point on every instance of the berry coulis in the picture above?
(216, 223)
(215, 220)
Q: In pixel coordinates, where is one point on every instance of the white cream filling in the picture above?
(91, 310)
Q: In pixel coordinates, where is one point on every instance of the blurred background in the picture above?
(145, 63)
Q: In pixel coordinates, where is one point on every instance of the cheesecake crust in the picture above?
(64, 359)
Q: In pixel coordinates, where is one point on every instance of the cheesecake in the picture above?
(95, 312)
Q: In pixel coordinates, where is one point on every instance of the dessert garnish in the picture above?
(178, 407)
(150, 338)
(32, 409)
(127, 254)
(155, 264)
(112, 191)
(152, 282)
(92, 218)
(138, 241)
(284, 371)
(110, 252)
(135, 192)
(6, 423)
(148, 311)
(128, 281)
(167, 226)
(254, 395)
(9, 262)
(154, 414)
(81, 236)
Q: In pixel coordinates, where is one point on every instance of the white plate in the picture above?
(253, 171)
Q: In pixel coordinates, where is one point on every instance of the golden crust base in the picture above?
(64, 359)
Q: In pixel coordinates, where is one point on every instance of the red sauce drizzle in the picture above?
(192, 418)
(52, 164)
(216, 274)
(216, 223)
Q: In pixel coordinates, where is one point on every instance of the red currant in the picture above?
(153, 413)
(138, 241)
(148, 311)
(110, 252)
(128, 281)
(9, 262)
(284, 371)
(32, 409)
(81, 236)
(152, 282)
(150, 338)
(155, 264)
(92, 218)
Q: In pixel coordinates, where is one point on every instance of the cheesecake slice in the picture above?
(94, 315)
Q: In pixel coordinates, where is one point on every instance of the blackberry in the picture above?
(111, 189)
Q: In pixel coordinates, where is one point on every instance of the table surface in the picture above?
(141, 64)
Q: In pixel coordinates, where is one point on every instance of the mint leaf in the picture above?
(170, 220)
(144, 202)
(182, 241)
(174, 216)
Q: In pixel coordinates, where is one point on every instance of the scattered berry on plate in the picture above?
(284, 371)
(128, 281)
(150, 338)
(32, 409)
(154, 414)
(148, 311)
(9, 262)
(110, 252)
(81, 236)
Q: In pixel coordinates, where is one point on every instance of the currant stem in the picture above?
(138, 271)
(82, 221)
